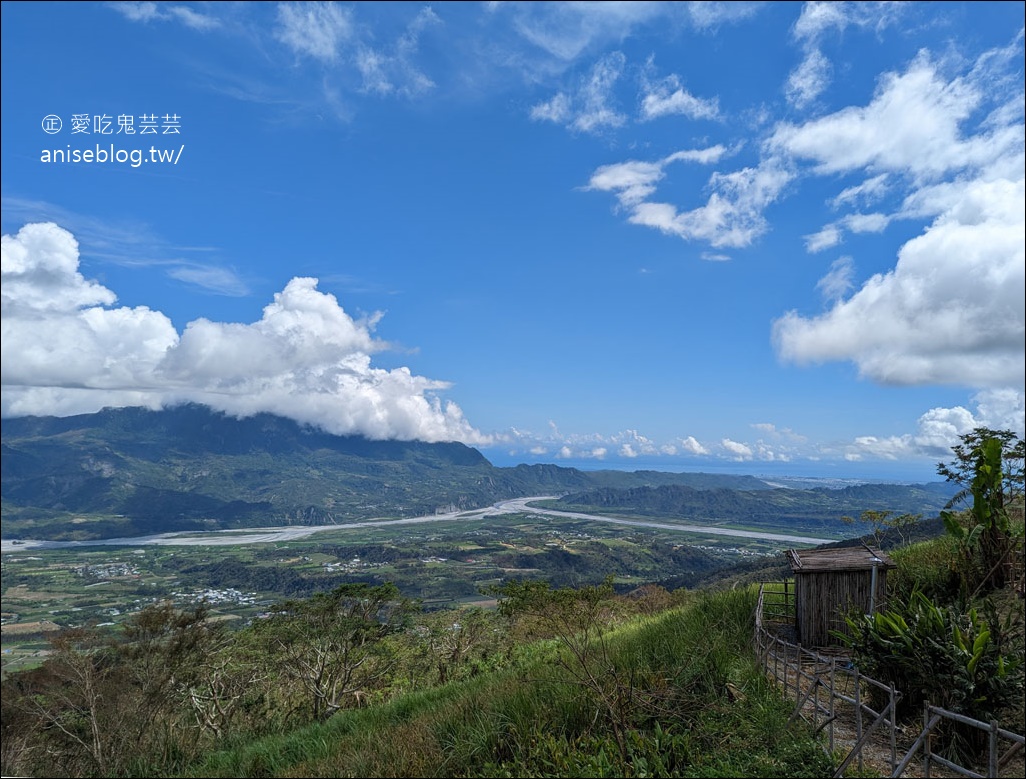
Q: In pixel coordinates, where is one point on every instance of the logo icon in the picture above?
(52, 124)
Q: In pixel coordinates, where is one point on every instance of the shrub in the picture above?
(948, 656)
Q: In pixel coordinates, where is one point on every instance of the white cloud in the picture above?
(219, 280)
(40, 273)
(632, 181)
(628, 451)
(819, 17)
(153, 12)
(737, 450)
(556, 109)
(568, 30)
(939, 429)
(912, 126)
(65, 350)
(838, 281)
(869, 191)
(952, 310)
(588, 107)
(709, 14)
(316, 30)
(732, 217)
(809, 79)
(827, 238)
(667, 97)
(692, 446)
(387, 72)
(1002, 409)
(867, 223)
(133, 245)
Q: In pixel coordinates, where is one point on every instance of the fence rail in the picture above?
(829, 690)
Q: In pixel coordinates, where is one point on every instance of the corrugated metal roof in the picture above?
(847, 558)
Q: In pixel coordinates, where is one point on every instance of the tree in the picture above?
(882, 521)
(77, 701)
(580, 620)
(331, 644)
(989, 466)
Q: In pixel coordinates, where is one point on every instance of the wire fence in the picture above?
(832, 695)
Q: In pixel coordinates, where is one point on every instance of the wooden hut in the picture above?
(828, 583)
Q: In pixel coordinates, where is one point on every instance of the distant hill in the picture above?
(805, 508)
(131, 471)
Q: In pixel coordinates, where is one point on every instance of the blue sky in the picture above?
(769, 238)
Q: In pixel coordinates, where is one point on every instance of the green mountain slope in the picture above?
(134, 471)
(809, 509)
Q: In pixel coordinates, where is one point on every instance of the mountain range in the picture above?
(132, 471)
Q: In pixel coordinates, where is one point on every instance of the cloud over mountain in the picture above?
(67, 349)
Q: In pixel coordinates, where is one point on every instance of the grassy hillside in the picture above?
(554, 682)
(676, 694)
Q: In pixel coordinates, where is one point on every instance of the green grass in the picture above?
(702, 708)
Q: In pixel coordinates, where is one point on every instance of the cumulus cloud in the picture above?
(66, 350)
(737, 450)
(627, 444)
(912, 126)
(951, 311)
(692, 446)
(939, 429)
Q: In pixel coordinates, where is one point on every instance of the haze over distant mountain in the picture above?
(132, 471)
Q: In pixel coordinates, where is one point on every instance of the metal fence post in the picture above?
(927, 745)
(858, 715)
(894, 726)
(992, 756)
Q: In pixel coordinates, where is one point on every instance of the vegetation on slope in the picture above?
(555, 682)
(676, 694)
(133, 472)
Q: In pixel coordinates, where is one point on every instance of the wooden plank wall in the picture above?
(822, 599)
